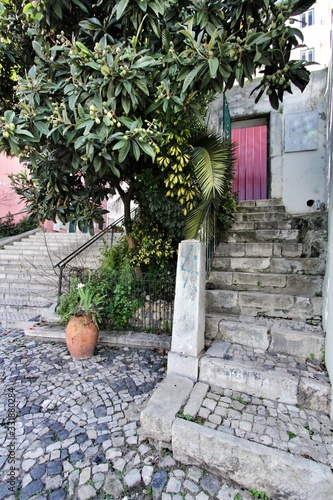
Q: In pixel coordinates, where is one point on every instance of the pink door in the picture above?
(250, 180)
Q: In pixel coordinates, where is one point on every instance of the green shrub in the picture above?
(9, 228)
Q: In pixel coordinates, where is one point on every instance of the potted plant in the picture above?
(81, 308)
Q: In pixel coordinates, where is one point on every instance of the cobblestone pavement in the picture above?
(282, 426)
(71, 429)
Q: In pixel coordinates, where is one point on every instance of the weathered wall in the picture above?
(328, 285)
(297, 176)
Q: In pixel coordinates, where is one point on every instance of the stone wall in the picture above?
(328, 286)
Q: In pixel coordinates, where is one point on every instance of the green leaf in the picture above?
(13, 144)
(38, 49)
(42, 127)
(195, 219)
(97, 163)
(300, 6)
(57, 9)
(191, 76)
(126, 104)
(121, 6)
(72, 101)
(105, 70)
(146, 148)
(82, 7)
(119, 144)
(93, 65)
(9, 116)
(273, 99)
(84, 49)
(123, 152)
(213, 66)
(126, 121)
(144, 62)
(90, 150)
(79, 142)
(28, 8)
(136, 150)
(24, 132)
(69, 88)
(141, 84)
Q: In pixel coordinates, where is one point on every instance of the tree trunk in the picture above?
(126, 197)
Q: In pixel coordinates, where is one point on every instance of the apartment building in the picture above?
(316, 25)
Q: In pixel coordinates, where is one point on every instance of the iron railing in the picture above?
(9, 214)
(226, 120)
(149, 301)
(208, 235)
(208, 229)
(66, 260)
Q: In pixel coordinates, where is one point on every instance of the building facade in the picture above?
(315, 25)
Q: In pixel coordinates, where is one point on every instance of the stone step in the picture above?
(19, 320)
(38, 284)
(18, 292)
(279, 249)
(275, 265)
(260, 216)
(278, 377)
(253, 225)
(295, 284)
(292, 337)
(26, 243)
(261, 444)
(274, 204)
(260, 235)
(18, 268)
(29, 283)
(29, 275)
(55, 255)
(28, 308)
(262, 304)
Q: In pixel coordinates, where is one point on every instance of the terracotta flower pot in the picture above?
(81, 337)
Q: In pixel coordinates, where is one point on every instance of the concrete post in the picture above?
(188, 331)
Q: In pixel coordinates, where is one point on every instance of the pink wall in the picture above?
(9, 200)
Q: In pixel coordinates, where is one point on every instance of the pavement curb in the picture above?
(140, 340)
(251, 465)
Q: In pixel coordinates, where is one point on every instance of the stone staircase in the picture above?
(259, 413)
(265, 297)
(28, 280)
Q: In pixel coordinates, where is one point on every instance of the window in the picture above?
(307, 18)
(307, 55)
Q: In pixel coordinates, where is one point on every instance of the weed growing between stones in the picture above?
(190, 418)
(308, 428)
(258, 494)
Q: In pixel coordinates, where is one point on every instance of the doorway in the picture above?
(251, 173)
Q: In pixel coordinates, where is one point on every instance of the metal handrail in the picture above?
(13, 215)
(63, 263)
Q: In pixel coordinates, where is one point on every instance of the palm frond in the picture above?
(195, 219)
(211, 160)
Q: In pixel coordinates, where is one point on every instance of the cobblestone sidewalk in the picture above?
(71, 430)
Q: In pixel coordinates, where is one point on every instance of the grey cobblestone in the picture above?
(309, 435)
(78, 427)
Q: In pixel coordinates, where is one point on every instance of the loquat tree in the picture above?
(112, 95)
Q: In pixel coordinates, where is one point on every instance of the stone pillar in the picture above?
(188, 330)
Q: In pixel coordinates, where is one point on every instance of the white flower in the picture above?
(80, 285)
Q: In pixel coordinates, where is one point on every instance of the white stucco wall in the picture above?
(296, 177)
